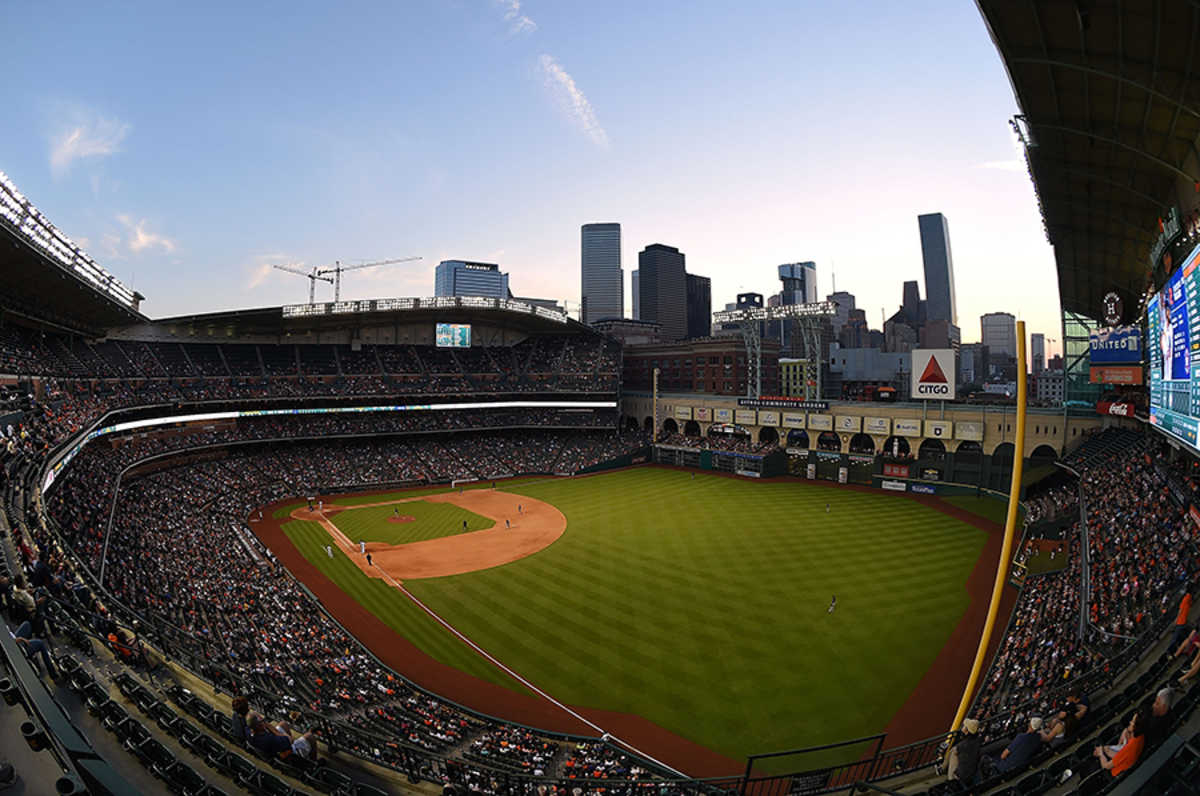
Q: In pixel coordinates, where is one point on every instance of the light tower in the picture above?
(806, 321)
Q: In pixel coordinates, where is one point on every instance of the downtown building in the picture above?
(465, 278)
(602, 282)
(662, 289)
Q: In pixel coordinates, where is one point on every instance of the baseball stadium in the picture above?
(462, 544)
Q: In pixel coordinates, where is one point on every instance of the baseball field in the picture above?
(700, 604)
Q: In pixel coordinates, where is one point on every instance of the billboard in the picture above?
(820, 422)
(938, 429)
(969, 429)
(453, 335)
(683, 413)
(703, 414)
(848, 423)
(1108, 374)
(1120, 345)
(793, 420)
(768, 418)
(906, 427)
(877, 425)
(745, 417)
(933, 373)
(723, 415)
(1169, 352)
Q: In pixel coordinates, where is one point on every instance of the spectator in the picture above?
(1021, 751)
(962, 763)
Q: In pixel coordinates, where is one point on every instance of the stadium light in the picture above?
(817, 309)
(28, 221)
(435, 302)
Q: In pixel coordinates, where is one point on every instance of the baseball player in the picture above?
(833, 603)
(507, 524)
(362, 547)
(329, 551)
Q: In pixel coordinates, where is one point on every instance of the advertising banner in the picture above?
(683, 413)
(877, 425)
(843, 474)
(931, 474)
(783, 402)
(1107, 374)
(969, 429)
(766, 418)
(933, 373)
(1117, 409)
(723, 415)
(1120, 345)
(811, 471)
(895, 486)
(793, 420)
(923, 489)
(848, 423)
(895, 470)
(820, 422)
(703, 414)
(906, 427)
(938, 429)
(746, 417)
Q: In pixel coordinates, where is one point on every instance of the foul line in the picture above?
(604, 734)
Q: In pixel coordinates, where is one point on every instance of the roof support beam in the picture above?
(1062, 128)
(1177, 104)
(1156, 204)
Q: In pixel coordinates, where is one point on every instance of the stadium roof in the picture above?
(44, 275)
(290, 320)
(1110, 114)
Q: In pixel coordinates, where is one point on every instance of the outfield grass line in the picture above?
(516, 676)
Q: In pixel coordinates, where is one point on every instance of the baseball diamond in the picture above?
(648, 593)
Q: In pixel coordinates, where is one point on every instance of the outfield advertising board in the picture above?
(923, 489)
(723, 415)
(683, 413)
(906, 427)
(969, 429)
(895, 486)
(849, 424)
(768, 418)
(703, 414)
(877, 425)
(933, 374)
(1119, 345)
(895, 470)
(820, 422)
(939, 429)
(793, 420)
(745, 417)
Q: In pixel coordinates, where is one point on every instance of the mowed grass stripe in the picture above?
(701, 604)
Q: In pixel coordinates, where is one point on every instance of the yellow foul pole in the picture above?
(1010, 527)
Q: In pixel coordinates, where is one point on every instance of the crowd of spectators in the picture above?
(733, 443)
(178, 554)
(1142, 555)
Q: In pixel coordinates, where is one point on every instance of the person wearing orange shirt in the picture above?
(1181, 620)
(1119, 759)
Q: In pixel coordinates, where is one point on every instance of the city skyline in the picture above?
(189, 182)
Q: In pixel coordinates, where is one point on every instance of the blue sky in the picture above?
(191, 147)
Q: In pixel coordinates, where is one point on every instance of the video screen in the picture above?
(1173, 343)
(453, 335)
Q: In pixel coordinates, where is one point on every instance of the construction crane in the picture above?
(311, 276)
(337, 268)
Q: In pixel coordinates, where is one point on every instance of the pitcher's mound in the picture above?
(402, 518)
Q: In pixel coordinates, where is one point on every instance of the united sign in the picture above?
(933, 374)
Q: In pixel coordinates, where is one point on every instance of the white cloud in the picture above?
(141, 239)
(572, 100)
(1003, 165)
(518, 22)
(82, 133)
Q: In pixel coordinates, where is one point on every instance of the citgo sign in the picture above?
(933, 374)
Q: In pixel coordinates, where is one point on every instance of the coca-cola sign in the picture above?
(1114, 408)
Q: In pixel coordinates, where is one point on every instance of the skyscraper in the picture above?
(998, 331)
(637, 299)
(1037, 352)
(601, 277)
(662, 287)
(463, 278)
(939, 268)
(699, 306)
(799, 283)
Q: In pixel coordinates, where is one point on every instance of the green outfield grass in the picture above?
(431, 521)
(990, 508)
(701, 604)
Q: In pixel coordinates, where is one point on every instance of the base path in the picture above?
(522, 526)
